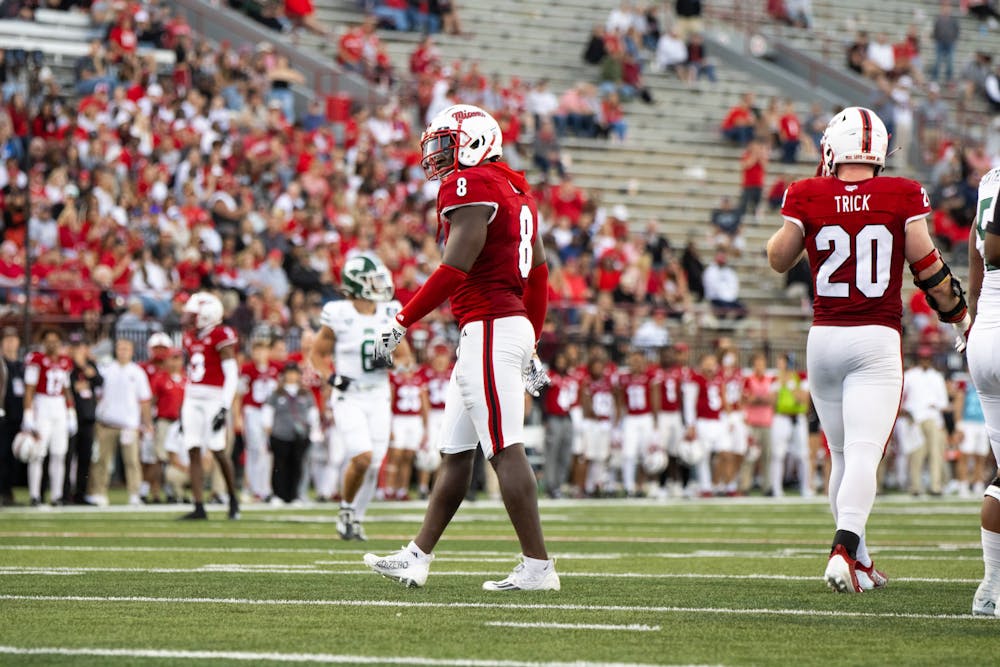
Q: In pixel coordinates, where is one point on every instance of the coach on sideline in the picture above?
(124, 408)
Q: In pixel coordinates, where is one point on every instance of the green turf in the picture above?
(682, 566)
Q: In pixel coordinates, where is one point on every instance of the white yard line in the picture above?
(632, 627)
(241, 568)
(414, 604)
(253, 656)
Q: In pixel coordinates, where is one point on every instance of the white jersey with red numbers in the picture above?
(855, 235)
(256, 384)
(672, 381)
(407, 391)
(710, 396)
(204, 356)
(437, 386)
(50, 377)
(494, 288)
(637, 391)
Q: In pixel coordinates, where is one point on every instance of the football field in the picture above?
(721, 582)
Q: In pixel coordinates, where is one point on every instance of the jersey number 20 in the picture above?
(871, 248)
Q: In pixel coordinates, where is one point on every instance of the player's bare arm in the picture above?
(785, 247)
(467, 237)
(322, 348)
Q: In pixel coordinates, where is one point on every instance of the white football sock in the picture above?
(35, 478)
(862, 555)
(57, 475)
(366, 492)
(777, 474)
(628, 474)
(857, 489)
(991, 557)
(535, 565)
(420, 554)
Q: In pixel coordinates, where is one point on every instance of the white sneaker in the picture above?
(134, 500)
(985, 601)
(405, 566)
(522, 580)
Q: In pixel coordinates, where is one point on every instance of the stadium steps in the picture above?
(667, 141)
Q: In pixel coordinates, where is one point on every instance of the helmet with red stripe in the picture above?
(460, 136)
(855, 135)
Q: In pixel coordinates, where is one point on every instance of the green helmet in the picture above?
(366, 277)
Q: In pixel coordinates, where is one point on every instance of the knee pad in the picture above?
(993, 489)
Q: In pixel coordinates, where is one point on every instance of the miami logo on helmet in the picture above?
(462, 114)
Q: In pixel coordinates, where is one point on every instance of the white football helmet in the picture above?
(854, 136)
(26, 447)
(692, 451)
(460, 136)
(204, 310)
(428, 459)
(159, 339)
(655, 461)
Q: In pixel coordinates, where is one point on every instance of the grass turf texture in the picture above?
(714, 582)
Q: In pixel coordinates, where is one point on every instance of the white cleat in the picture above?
(985, 602)
(522, 580)
(404, 566)
(841, 572)
(870, 578)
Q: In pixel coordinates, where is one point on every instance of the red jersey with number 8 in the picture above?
(494, 287)
(855, 236)
(204, 362)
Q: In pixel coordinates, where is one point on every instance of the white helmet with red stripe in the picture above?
(855, 135)
(460, 136)
(203, 310)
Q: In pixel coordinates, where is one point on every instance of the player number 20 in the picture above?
(524, 250)
(872, 251)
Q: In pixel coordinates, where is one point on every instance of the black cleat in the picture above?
(195, 515)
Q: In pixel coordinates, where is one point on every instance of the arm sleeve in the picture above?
(536, 297)
(231, 375)
(439, 286)
(791, 207)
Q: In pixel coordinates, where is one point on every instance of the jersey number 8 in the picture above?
(524, 249)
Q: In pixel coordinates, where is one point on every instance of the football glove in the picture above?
(219, 420)
(388, 341)
(535, 376)
(72, 425)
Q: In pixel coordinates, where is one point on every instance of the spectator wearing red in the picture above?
(424, 57)
(754, 165)
(122, 38)
(738, 125)
(568, 200)
(789, 131)
(358, 47)
(302, 14)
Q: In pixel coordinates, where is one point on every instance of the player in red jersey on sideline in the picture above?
(410, 407)
(858, 229)
(494, 271)
(213, 377)
(49, 414)
(258, 380)
(437, 375)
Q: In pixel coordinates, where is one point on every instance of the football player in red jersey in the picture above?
(559, 398)
(167, 387)
(410, 407)
(674, 375)
(213, 377)
(258, 380)
(597, 396)
(858, 229)
(494, 271)
(49, 414)
(734, 447)
(638, 399)
(152, 454)
(437, 375)
(704, 407)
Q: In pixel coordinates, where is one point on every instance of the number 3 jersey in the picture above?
(854, 236)
(354, 347)
(203, 357)
(494, 287)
